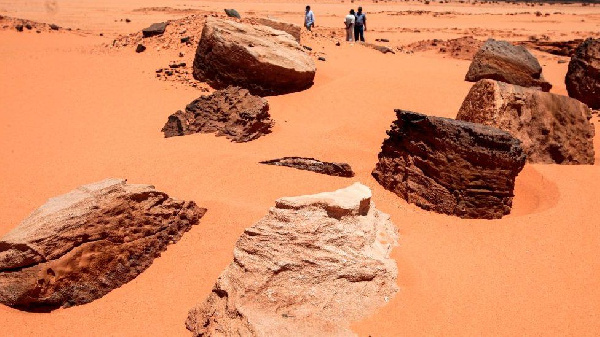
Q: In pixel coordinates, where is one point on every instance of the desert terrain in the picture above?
(80, 105)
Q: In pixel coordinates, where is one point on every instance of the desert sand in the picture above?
(74, 110)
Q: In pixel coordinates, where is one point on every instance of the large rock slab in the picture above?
(552, 128)
(232, 112)
(314, 165)
(261, 59)
(583, 76)
(503, 61)
(310, 267)
(154, 29)
(290, 28)
(450, 166)
(79, 246)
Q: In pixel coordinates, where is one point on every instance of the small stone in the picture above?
(127, 20)
(337, 43)
(185, 39)
(321, 58)
(28, 26)
(140, 48)
(54, 27)
(19, 28)
(181, 54)
(307, 48)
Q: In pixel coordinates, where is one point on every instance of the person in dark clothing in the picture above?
(360, 25)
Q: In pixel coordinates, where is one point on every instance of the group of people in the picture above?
(356, 23)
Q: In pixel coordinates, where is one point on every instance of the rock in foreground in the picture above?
(81, 245)
(502, 61)
(232, 112)
(259, 58)
(310, 267)
(583, 76)
(450, 166)
(552, 128)
(314, 165)
(154, 29)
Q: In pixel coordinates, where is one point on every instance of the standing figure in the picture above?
(350, 25)
(360, 25)
(309, 18)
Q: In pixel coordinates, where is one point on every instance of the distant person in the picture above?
(350, 26)
(360, 25)
(309, 19)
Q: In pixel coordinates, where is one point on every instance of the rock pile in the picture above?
(450, 166)
(231, 112)
(310, 267)
(314, 165)
(583, 76)
(552, 128)
(79, 246)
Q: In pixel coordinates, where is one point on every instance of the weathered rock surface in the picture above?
(502, 61)
(256, 57)
(562, 48)
(290, 28)
(79, 246)
(448, 166)
(314, 165)
(232, 112)
(583, 76)
(310, 267)
(552, 128)
(154, 29)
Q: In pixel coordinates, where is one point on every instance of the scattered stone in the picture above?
(321, 58)
(561, 48)
(502, 61)
(463, 48)
(140, 48)
(311, 267)
(54, 27)
(561, 61)
(127, 20)
(232, 13)
(275, 65)
(307, 48)
(155, 29)
(451, 167)
(185, 39)
(382, 49)
(28, 26)
(382, 40)
(101, 34)
(338, 43)
(314, 165)
(81, 245)
(158, 71)
(38, 31)
(583, 76)
(19, 27)
(290, 28)
(552, 128)
(181, 54)
(232, 112)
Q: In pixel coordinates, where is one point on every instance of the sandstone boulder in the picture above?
(552, 128)
(583, 76)
(290, 28)
(314, 165)
(502, 61)
(232, 112)
(450, 166)
(256, 57)
(310, 267)
(79, 246)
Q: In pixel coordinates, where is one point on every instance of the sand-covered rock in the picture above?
(583, 76)
(290, 28)
(261, 59)
(448, 166)
(552, 128)
(232, 112)
(503, 61)
(79, 246)
(314, 165)
(310, 267)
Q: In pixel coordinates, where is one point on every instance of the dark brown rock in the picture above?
(583, 76)
(140, 48)
(382, 49)
(232, 13)
(314, 165)
(79, 246)
(54, 27)
(259, 58)
(502, 61)
(552, 128)
(155, 29)
(232, 112)
(450, 166)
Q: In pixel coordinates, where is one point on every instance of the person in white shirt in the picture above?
(309, 18)
(349, 21)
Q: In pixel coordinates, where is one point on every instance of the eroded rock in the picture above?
(552, 128)
(256, 57)
(448, 166)
(583, 76)
(232, 112)
(79, 246)
(290, 28)
(310, 267)
(503, 61)
(314, 165)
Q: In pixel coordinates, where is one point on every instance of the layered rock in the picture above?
(583, 76)
(256, 57)
(502, 61)
(290, 28)
(448, 166)
(232, 112)
(314, 165)
(310, 267)
(79, 246)
(552, 128)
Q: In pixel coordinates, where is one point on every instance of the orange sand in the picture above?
(73, 113)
